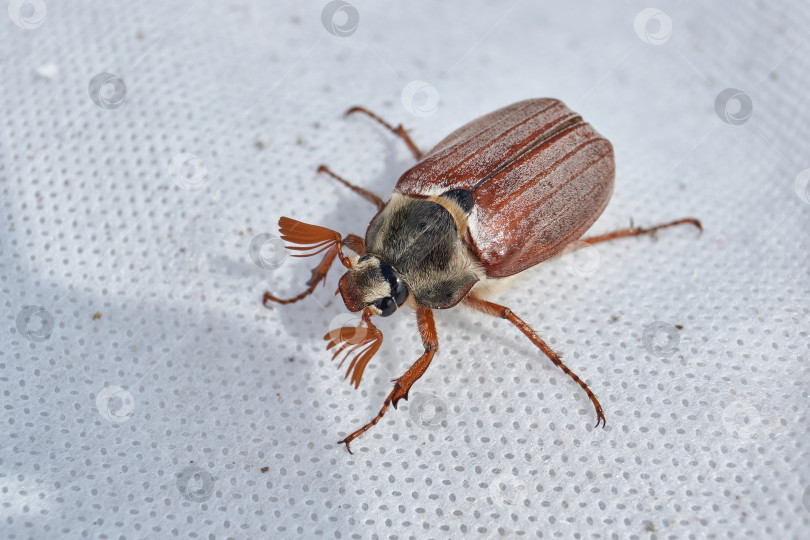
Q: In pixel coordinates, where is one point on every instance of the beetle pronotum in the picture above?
(495, 197)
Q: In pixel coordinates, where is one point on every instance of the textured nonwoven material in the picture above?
(148, 150)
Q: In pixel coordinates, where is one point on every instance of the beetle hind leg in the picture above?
(402, 385)
(399, 131)
(504, 312)
(637, 231)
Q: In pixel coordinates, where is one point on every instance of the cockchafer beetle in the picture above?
(495, 197)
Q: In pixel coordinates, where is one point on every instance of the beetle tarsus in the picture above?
(600, 417)
(695, 222)
(346, 442)
(637, 231)
(399, 131)
(352, 436)
(397, 397)
(268, 298)
(318, 275)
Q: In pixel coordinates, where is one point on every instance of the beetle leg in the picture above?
(399, 131)
(367, 195)
(351, 241)
(504, 312)
(318, 275)
(636, 231)
(427, 329)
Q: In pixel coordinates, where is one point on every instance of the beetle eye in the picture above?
(400, 293)
(386, 305)
(363, 258)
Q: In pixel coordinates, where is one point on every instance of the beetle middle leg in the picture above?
(490, 308)
(427, 329)
(399, 131)
(366, 194)
(636, 231)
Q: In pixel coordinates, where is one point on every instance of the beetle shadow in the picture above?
(394, 166)
(177, 361)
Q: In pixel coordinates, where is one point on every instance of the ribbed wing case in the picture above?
(539, 175)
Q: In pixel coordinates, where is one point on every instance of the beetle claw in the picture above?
(346, 442)
(396, 400)
(398, 394)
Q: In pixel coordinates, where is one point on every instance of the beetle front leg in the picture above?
(399, 131)
(637, 231)
(318, 275)
(427, 329)
(490, 308)
(351, 241)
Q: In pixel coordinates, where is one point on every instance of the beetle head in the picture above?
(372, 282)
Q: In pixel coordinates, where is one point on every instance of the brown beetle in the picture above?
(497, 196)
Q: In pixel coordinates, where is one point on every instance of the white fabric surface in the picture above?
(164, 387)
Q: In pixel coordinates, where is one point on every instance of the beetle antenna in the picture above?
(311, 237)
(365, 341)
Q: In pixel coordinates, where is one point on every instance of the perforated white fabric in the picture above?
(146, 392)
